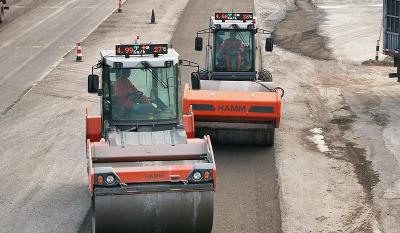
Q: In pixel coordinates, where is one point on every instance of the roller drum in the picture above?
(154, 212)
(263, 137)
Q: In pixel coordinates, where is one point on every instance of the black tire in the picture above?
(203, 75)
(195, 81)
(265, 76)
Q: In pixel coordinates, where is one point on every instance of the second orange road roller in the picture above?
(234, 99)
(147, 173)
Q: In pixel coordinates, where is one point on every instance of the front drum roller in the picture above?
(154, 212)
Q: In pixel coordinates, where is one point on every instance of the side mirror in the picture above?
(93, 83)
(195, 80)
(198, 43)
(269, 44)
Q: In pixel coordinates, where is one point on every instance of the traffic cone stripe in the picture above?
(120, 6)
(79, 52)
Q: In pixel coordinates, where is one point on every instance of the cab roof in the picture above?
(228, 24)
(135, 61)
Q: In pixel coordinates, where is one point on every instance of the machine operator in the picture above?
(232, 50)
(127, 94)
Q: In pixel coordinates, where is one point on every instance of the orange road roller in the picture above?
(147, 173)
(234, 99)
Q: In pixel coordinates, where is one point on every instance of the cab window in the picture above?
(233, 51)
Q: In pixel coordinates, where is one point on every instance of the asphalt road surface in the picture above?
(247, 195)
(36, 35)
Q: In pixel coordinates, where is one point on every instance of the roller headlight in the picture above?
(197, 176)
(110, 179)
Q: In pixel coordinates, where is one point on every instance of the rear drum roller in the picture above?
(263, 137)
(154, 212)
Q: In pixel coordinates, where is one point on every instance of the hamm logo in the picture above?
(154, 176)
(232, 108)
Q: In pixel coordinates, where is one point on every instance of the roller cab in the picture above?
(234, 99)
(146, 171)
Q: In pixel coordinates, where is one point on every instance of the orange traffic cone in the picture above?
(79, 52)
(137, 39)
(120, 6)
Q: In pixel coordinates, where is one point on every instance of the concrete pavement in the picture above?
(247, 196)
(33, 41)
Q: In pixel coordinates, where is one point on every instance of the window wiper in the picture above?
(236, 27)
(155, 76)
(243, 40)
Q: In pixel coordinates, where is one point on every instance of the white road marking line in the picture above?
(50, 7)
(21, 34)
(22, 65)
(54, 65)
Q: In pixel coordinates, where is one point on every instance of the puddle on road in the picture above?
(319, 139)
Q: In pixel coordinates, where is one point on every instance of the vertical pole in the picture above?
(378, 42)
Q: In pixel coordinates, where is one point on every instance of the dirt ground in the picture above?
(341, 172)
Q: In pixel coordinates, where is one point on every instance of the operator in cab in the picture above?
(232, 50)
(127, 94)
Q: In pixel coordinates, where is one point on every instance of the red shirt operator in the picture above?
(232, 44)
(124, 90)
